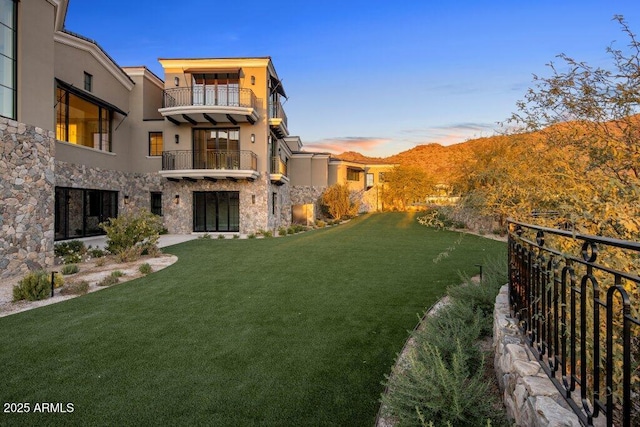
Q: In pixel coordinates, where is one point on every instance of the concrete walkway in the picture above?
(165, 240)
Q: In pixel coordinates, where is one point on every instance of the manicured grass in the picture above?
(297, 330)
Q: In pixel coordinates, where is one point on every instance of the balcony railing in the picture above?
(580, 317)
(209, 96)
(278, 166)
(277, 112)
(209, 159)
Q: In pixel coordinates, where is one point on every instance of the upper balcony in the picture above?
(209, 104)
(278, 119)
(211, 165)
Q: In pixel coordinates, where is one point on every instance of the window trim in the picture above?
(88, 81)
(14, 67)
(156, 133)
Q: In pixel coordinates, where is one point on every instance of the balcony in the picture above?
(211, 165)
(278, 119)
(278, 170)
(209, 104)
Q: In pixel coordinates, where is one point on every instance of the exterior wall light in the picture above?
(126, 200)
(253, 138)
(176, 81)
(177, 139)
(176, 199)
(253, 80)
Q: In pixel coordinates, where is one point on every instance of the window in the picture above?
(8, 70)
(353, 174)
(216, 148)
(81, 121)
(216, 211)
(79, 212)
(88, 82)
(369, 180)
(156, 203)
(155, 143)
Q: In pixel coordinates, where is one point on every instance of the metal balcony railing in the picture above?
(277, 112)
(578, 309)
(278, 166)
(209, 96)
(209, 159)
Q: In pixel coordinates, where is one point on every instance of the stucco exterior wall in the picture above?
(27, 194)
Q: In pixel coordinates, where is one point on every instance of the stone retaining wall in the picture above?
(530, 397)
(26, 198)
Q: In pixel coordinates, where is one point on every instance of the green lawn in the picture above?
(288, 331)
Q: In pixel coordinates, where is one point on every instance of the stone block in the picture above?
(550, 414)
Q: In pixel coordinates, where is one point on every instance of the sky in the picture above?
(377, 77)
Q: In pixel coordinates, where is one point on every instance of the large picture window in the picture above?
(79, 211)
(216, 148)
(80, 120)
(8, 86)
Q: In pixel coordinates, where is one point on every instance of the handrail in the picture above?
(210, 159)
(276, 111)
(579, 316)
(220, 96)
(278, 166)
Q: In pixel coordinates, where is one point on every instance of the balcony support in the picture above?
(189, 119)
(250, 120)
(172, 120)
(232, 120)
(210, 119)
(209, 178)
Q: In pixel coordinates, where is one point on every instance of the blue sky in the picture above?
(378, 77)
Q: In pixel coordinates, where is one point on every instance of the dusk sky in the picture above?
(378, 77)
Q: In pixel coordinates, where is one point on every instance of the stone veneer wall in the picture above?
(138, 186)
(253, 216)
(26, 198)
(530, 397)
(306, 195)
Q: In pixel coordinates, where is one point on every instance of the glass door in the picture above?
(216, 211)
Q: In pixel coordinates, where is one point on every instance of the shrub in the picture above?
(135, 232)
(251, 236)
(75, 288)
(205, 236)
(36, 286)
(96, 252)
(101, 261)
(109, 280)
(338, 201)
(145, 269)
(291, 230)
(282, 231)
(236, 236)
(221, 237)
(63, 249)
(117, 273)
(267, 233)
(69, 269)
(320, 223)
(130, 254)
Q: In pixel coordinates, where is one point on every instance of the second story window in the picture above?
(8, 94)
(155, 143)
(83, 119)
(353, 174)
(88, 82)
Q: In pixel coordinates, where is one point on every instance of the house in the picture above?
(83, 139)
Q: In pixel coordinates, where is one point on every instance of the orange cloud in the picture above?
(340, 145)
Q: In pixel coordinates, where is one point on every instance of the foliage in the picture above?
(132, 233)
(441, 381)
(437, 218)
(75, 288)
(36, 286)
(221, 237)
(109, 280)
(405, 185)
(69, 269)
(145, 268)
(96, 252)
(205, 236)
(339, 202)
(282, 231)
(320, 223)
(71, 251)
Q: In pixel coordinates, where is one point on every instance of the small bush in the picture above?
(79, 288)
(101, 261)
(320, 224)
(117, 273)
(221, 237)
(282, 231)
(145, 269)
(205, 236)
(134, 232)
(251, 236)
(36, 286)
(96, 253)
(69, 269)
(236, 236)
(291, 230)
(109, 280)
(63, 249)
(267, 233)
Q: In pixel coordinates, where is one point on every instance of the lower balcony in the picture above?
(211, 165)
(278, 173)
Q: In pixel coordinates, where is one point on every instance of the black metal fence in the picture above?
(577, 299)
(222, 96)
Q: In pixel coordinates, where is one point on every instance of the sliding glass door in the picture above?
(216, 211)
(79, 212)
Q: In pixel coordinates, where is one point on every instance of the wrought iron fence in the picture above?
(209, 159)
(278, 166)
(276, 111)
(224, 96)
(577, 299)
